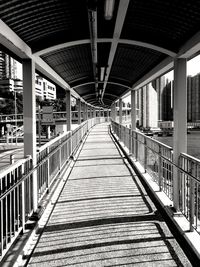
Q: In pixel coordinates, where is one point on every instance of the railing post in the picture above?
(192, 197)
(23, 201)
(12, 159)
(145, 154)
(136, 146)
(70, 143)
(129, 141)
(160, 180)
(48, 169)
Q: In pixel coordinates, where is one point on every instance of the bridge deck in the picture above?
(104, 216)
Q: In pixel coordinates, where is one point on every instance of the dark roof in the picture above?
(44, 24)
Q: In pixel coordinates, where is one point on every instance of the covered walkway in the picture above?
(104, 216)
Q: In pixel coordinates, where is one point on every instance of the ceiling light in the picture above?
(108, 9)
(102, 74)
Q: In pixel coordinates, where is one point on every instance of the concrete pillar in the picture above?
(86, 111)
(68, 110)
(79, 110)
(180, 120)
(29, 111)
(120, 110)
(133, 110)
(144, 110)
(114, 112)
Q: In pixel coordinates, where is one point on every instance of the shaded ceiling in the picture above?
(99, 58)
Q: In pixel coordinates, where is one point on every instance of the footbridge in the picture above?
(102, 194)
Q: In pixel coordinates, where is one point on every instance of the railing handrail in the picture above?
(187, 170)
(185, 155)
(51, 142)
(14, 166)
(153, 140)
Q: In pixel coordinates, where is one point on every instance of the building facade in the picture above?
(9, 80)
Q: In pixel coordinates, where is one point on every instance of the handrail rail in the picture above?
(162, 167)
(16, 182)
(12, 167)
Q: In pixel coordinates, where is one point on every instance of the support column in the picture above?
(68, 110)
(86, 112)
(29, 110)
(83, 110)
(144, 110)
(133, 110)
(114, 111)
(79, 111)
(120, 110)
(180, 120)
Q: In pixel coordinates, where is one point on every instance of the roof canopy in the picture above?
(101, 58)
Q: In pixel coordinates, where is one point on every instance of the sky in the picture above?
(193, 67)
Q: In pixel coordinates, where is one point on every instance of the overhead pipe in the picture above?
(92, 15)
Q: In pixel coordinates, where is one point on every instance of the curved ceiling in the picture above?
(94, 55)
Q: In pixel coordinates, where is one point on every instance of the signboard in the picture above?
(47, 115)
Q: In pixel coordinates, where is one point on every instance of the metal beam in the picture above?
(114, 83)
(191, 47)
(10, 40)
(86, 95)
(121, 14)
(106, 40)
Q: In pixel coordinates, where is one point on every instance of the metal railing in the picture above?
(15, 201)
(16, 182)
(189, 177)
(157, 159)
(59, 115)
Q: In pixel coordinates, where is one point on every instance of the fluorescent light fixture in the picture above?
(108, 9)
(102, 74)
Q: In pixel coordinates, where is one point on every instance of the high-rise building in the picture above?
(193, 98)
(9, 80)
(8, 67)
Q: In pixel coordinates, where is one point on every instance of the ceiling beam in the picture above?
(106, 40)
(11, 41)
(191, 47)
(121, 14)
(93, 94)
(113, 83)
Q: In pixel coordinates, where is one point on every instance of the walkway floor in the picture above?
(104, 217)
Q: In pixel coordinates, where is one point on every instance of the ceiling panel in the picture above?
(74, 64)
(164, 23)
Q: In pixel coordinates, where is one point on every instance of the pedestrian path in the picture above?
(104, 216)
